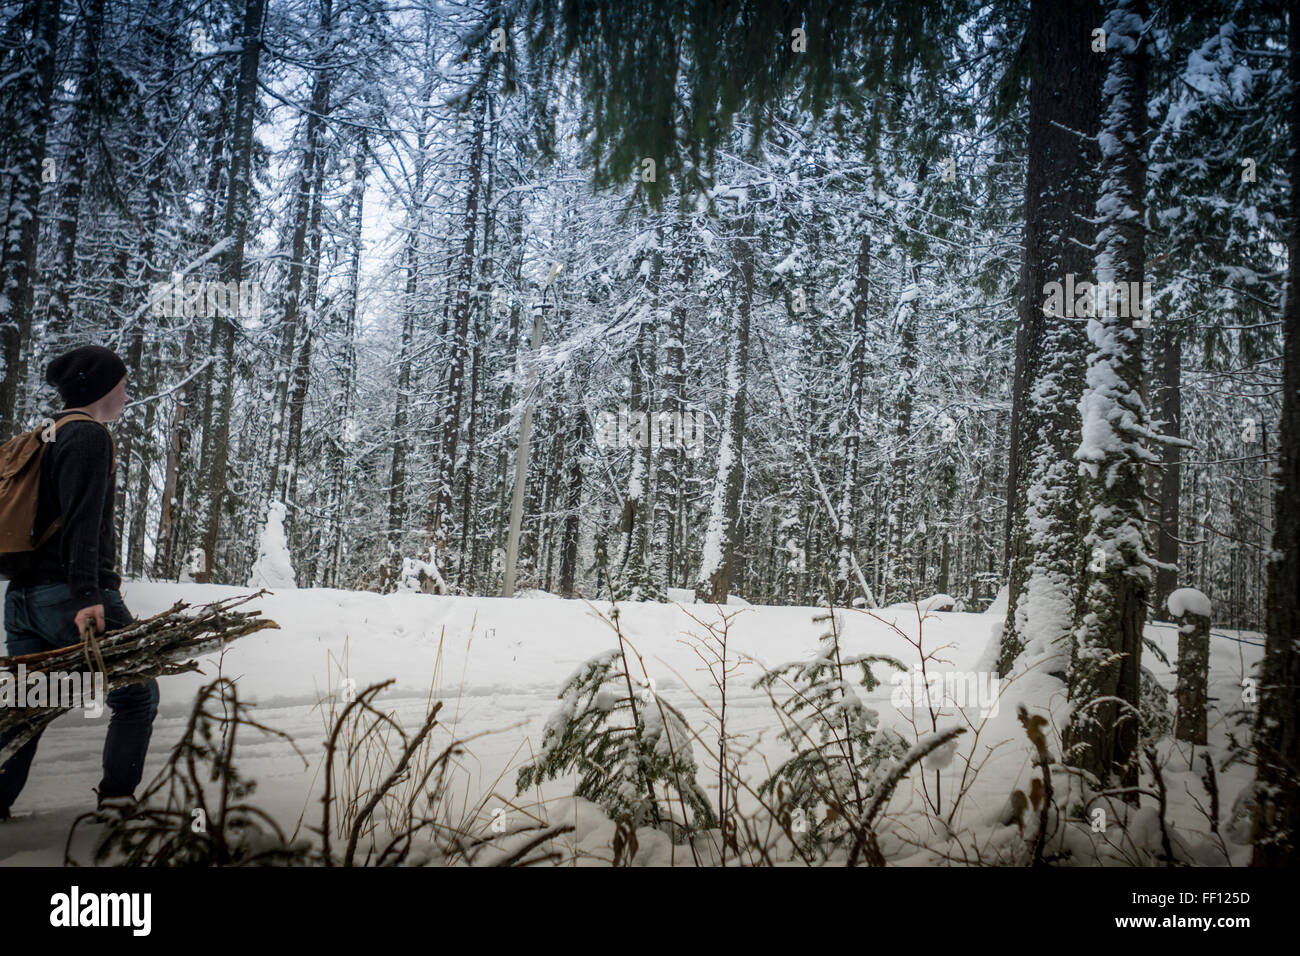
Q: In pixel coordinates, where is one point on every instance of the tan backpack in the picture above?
(20, 485)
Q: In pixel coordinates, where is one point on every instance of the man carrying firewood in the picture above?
(65, 583)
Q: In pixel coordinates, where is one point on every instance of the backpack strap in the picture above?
(76, 416)
(112, 464)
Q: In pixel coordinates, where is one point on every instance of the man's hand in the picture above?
(88, 615)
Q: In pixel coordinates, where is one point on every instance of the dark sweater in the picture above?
(77, 482)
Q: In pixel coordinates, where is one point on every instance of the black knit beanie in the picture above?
(85, 375)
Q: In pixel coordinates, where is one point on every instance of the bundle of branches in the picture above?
(160, 645)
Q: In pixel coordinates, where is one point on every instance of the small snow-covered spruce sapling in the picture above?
(630, 748)
(840, 756)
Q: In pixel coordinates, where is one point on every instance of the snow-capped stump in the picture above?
(939, 602)
(1189, 601)
(1191, 609)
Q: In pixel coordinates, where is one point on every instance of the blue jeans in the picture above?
(40, 619)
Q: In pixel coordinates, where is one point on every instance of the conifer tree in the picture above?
(1106, 655)
(1277, 728)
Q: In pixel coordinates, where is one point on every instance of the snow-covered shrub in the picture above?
(421, 577)
(273, 568)
(840, 755)
(630, 748)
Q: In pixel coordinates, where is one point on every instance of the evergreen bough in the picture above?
(840, 755)
(630, 748)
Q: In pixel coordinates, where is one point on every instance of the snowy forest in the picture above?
(769, 303)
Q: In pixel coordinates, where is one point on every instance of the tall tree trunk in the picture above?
(577, 437)
(468, 529)
(297, 411)
(175, 534)
(174, 522)
(469, 507)
(1276, 822)
(401, 439)
(162, 44)
(22, 181)
(401, 411)
(166, 543)
(638, 511)
(717, 566)
(146, 382)
(439, 512)
(1169, 358)
(129, 444)
(1060, 202)
(300, 384)
(501, 495)
(672, 465)
(349, 430)
(1103, 735)
(217, 440)
(311, 175)
(900, 576)
(63, 270)
(846, 534)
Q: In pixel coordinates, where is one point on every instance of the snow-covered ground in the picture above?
(499, 664)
